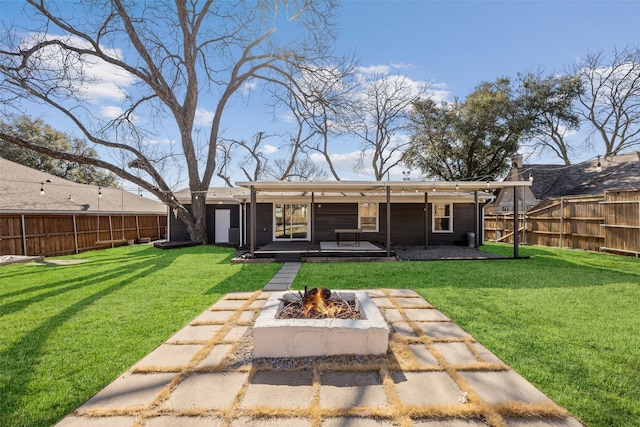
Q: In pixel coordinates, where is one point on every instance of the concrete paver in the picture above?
(442, 330)
(184, 421)
(503, 386)
(426, 388)
(215, 357)
(194, 333)
(356, 422)
(72, 421)
(271, 422)
(210, 390)
(169, 356)
(228, 388)
(213, 317)
(423, 355)
(425, 315)
(450, 422)
(129, 391)
(351, 389)
(284, 389)
(455, 353)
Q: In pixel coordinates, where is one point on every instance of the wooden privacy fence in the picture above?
(63, 234)
(609, 222)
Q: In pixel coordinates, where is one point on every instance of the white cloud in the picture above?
(268, 149)
(203, 117)
(110, 112)
(88, 76)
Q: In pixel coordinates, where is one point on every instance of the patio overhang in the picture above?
(436, 189)
(380, 186)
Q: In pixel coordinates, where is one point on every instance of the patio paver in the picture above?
(434, 375)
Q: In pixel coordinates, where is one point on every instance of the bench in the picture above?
(355, 231)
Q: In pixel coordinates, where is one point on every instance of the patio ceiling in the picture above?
(380, 186)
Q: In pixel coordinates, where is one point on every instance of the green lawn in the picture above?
(568, 321)
(67, 331)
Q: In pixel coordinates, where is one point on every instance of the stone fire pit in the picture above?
(274, 337)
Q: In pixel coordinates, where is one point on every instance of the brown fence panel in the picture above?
(622, 222)
(60, 234)
(11, 235)
(609, 222)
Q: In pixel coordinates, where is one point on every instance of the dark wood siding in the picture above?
(407, 223)
(264, 223)
(329, 216)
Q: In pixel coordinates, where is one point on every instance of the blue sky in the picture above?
(455, 45)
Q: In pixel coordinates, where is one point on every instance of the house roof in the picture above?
(20, 192)
(618, 172)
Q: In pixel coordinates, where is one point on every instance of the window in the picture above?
(442, 217)
(368, 216)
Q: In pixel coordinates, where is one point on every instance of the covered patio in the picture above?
(384, 192)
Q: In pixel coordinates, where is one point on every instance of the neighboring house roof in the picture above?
(618, 172)
(20, 192)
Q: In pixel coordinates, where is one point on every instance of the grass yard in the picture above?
(67, 331)
(568, 321)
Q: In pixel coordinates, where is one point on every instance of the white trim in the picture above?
(433, 218)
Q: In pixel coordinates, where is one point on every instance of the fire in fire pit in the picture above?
(318, 303)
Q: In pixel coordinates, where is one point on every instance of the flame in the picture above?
(316, 302)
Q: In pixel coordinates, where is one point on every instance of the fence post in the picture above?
(75, 233)
(24, 235)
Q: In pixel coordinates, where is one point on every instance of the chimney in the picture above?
(517, 161)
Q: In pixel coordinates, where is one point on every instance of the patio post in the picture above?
(252, 245)
(515, 223)
(388, 221)
(426, 220)
(476, 223)
(312, 234)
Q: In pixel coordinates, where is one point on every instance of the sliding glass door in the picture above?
(291, 221)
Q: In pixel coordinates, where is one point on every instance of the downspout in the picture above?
(388, 222)
(426, 220)
(476, 224)
(252, 236)
(313, 210)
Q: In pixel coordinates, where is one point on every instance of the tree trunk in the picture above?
(196, 220)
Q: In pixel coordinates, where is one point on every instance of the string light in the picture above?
(598, 166)
(42, 188)
(100, 192)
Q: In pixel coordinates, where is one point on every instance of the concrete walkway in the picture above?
(434, 375)
(283, 279)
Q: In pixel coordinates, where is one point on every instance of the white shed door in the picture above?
(223, 223)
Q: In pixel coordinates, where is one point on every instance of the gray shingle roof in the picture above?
(618, 172)
(20, 192)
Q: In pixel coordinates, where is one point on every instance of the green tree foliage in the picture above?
(550, 101)
(474, 139)
(36, 130)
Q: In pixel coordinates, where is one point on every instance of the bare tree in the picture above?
(319, 106)
(382, 120)
(303, 169)
(611, 98)
(167, 61)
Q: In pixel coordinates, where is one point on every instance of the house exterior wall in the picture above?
(179, 232)
(407, 223)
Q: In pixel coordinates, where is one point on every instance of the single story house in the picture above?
(387, 213)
